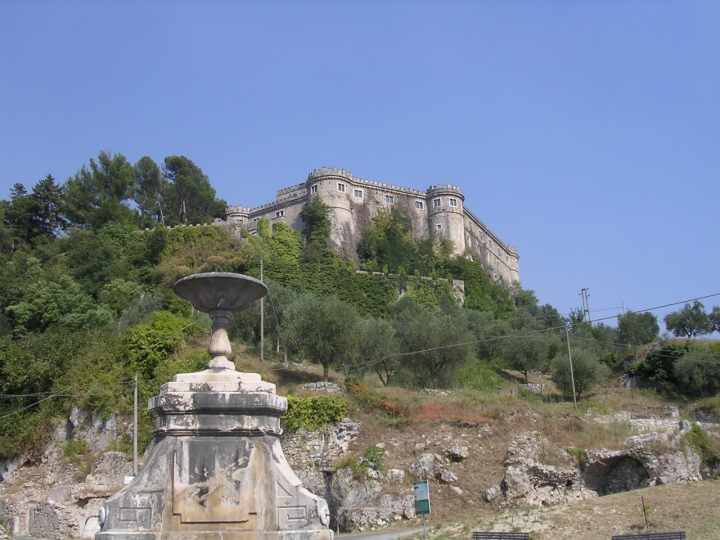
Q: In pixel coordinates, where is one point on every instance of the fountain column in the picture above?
(216, 468)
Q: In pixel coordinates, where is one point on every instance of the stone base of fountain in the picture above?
(216, 469)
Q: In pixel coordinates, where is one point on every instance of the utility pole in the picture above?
(586, 303)
(572, 375)
(262, 317)
(623, 306)
(135, 418)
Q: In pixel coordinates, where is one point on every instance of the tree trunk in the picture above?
(326, 372)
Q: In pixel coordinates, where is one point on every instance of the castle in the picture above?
(354, 201)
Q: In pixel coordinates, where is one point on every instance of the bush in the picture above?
(699, 441)
(374, 457)
(659, 366)
(588, 372)
(148, 344)
(312, 412)
(478, 375)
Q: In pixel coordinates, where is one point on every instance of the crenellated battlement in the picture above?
(445, 189)
(353, 201)
(237, 210)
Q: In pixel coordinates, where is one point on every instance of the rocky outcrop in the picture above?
(648, 459)
(360, 504)
(55, 497)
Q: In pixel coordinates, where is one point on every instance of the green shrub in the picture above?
(658, 366)
(699, 441)
(478, 376)
(148, 344)
(578, 455)
(374, 456)
(314, 411)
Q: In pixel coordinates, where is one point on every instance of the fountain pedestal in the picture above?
(216, 468)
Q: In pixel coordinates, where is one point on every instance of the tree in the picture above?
(699, 370)
(246, 324)
(488, 332)
(377, 348)
(191, 198)
(438, 344)
(527, 352)
(587, 370)
(690, 321)
(60, 303)
(637, 328)
(322, 330)
(714, 318)
(151, 191)
(19, 216)
(101, 193)
(118, 295)
(388, 241)
(316, 229)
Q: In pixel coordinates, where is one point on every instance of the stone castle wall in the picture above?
(354, 201)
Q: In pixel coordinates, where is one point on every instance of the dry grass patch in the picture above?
(690, 507)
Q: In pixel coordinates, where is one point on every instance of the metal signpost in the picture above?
(422, 501)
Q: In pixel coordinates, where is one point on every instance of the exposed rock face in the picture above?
(362, 505)
(330, 388)
(648, 459)
(50, 497)
(90, 427)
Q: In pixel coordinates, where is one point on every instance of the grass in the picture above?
(690, 507)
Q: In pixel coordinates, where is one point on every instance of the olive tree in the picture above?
(322, 330)
(586, 368)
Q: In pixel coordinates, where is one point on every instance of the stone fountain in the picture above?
(216, 468)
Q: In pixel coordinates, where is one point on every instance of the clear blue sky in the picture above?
(585, 134)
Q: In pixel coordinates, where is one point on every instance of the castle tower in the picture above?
(237, 215)
(445, 214)
(336, 189)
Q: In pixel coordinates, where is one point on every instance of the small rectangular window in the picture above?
(240, 221)
(439, 227)
(280, 213)
(341, 187)
(436, 203)
(419, 205)
(313, 189)
(358, 194)
(453, 202)
(389, 199)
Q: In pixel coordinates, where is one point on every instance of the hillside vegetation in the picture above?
(87, 266)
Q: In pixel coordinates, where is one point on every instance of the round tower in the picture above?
(237, 215)
(335, 188)
(446, 214)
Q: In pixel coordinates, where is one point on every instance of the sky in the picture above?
(585, 134)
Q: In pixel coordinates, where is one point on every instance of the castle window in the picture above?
(313, 189)
(341, 187)
(419, 205)
(436, 203)
(439, 226)
(358, 194)
(280, 213)
(453, 202)
(389, 199)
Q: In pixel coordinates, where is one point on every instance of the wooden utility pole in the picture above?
(572, 375)
(135, 430)
(262, 317)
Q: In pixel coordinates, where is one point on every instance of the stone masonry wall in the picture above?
(354, 201)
